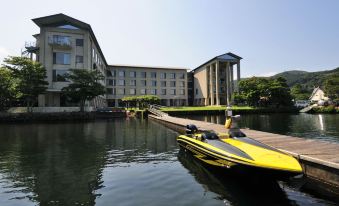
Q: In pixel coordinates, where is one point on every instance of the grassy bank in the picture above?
(325, 109)
(221, 110)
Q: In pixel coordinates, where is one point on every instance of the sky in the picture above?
(271, 36)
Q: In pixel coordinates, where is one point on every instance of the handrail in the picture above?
(154, 109)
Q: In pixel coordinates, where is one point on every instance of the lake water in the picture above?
(314, 126)
(120, 162)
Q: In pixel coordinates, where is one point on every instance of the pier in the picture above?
(319, 159)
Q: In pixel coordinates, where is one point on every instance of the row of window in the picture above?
(65, 58)
(66, 40)
(133, 74)
(121, 91)
(153, 83)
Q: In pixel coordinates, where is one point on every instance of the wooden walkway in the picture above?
(320, 159)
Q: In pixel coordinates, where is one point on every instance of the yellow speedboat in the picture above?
(234, 150)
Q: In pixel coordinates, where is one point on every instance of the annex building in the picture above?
(66, 43)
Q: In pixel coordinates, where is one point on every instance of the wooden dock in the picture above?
(319, 159)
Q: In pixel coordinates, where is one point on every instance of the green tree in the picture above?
(30, 77)
(7, 88)
(299, 93)
(331, 87)
(279, 92)
(84, 86)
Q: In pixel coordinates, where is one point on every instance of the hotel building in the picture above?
(66, 43)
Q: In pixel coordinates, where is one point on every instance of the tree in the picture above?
(263, 92)
(7, 88)
(331, 87)
(299, 93)
(30, 77)
(84, 86)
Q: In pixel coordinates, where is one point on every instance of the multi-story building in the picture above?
(170, 84)
(214, 80)
(66, 43)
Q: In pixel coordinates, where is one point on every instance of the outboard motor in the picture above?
(191, 129)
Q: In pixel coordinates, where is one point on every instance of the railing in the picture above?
(31, 44)
(155, 109)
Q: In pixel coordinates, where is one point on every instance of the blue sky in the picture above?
(271, 36)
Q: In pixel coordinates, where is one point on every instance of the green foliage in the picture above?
(299, 93)
(326, 109)
(84, 86)
(309, 80)
(331, 87)
(142, 100)
(30, 77)
(264, 92)
(7, 88)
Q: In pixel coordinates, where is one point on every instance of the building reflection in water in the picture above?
(63, 163)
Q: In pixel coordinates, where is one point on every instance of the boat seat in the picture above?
(236, 133)
(209, 135)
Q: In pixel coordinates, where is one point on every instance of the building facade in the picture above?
(170, 84)
(213, 81)
(65, 43)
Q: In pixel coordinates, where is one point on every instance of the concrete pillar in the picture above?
(217, 83)
(231, 82)
(227, 83)
(211, 85)
(238, 75)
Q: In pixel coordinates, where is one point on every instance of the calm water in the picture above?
(120, 162)
(314, 126)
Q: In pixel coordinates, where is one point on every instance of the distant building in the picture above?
(170, 84)
(66, 43)
(214, 80)
(317, 95)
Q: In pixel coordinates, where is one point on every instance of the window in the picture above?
(181, 76)
(153, 83)
(121, 74)
(182, 92)
(163, 83)
(67, 26)
(162, 75)
(79, 42)
(60, 40)
(121, 82)
(143, 82)
(109, 91)
(79, 59)
(114, 91)
(132, 82)
(113, 73)
(142, 91)
(172, 75)
(172, 83)
(132, 91)
(132, 74)
(60, 75)
(172, 92)
(163, 91)
(196, 91)
(153, 91)
(181, 84)
(61, 58)
(108, 73)
(153, 75)
(111, 82)
(93, 53)
(143, 74)
(121, 91)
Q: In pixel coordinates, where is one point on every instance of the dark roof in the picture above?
(224, 57)
(146, 67)
(62, 19)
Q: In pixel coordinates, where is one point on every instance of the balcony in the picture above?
(31, 47)
(60, 42)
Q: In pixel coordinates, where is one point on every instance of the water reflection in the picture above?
(62, 163)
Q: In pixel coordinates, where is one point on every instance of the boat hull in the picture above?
(232, 164)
